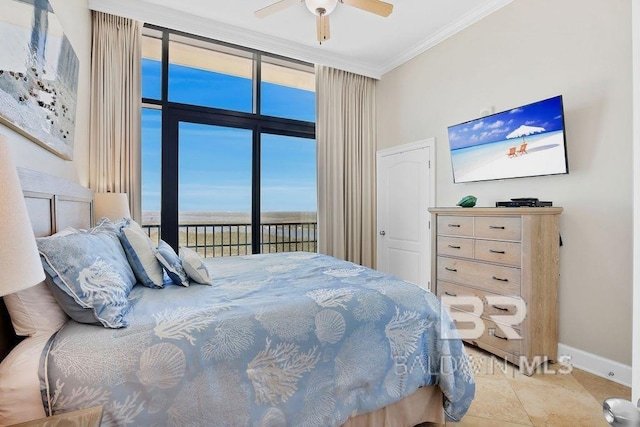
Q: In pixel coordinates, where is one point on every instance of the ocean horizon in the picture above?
(153, 217)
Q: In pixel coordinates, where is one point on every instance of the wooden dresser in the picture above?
(486, 254)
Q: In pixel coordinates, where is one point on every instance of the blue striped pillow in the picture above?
(172, 264)
(141, 253)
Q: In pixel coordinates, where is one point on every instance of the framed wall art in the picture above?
(38, 75)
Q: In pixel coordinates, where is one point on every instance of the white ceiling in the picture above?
(360, 42)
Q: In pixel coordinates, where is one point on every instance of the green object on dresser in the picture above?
(467, 201)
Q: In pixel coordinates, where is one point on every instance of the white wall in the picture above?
(75, 18)
(528, 51)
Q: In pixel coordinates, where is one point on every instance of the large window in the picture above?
(209, 75)
(288, 195)
(287, 90)
(228, 147)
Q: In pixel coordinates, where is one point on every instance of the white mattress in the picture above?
(19, 383)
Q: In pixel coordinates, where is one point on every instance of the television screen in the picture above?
(525, 141)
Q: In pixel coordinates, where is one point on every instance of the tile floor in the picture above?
(506, 398)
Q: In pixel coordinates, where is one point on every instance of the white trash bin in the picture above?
(621, 413)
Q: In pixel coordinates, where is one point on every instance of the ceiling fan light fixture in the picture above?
(318, 7)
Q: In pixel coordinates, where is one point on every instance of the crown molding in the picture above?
(465, 21)
(165, 17)
(181, 21)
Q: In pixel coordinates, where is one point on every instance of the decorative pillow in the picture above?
(104, 224)
(141, 253)
(171, 263)
(194, 267)
(89, 275)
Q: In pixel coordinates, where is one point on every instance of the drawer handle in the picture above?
(454, 225)
(501, 337)
(496, 227)
(499, 308)
(454, 247)
(499, 279)
(450, 294)
(450, 269)
(495, 252)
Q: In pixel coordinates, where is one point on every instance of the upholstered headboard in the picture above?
(53, 203)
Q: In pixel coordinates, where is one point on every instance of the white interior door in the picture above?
(406, 189)
(635, 8)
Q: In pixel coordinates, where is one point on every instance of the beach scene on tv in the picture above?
(525, 141)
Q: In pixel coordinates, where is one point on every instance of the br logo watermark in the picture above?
(468, 313)
(474, 308)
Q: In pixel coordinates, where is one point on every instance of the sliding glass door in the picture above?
(222, 185)
(214, 189)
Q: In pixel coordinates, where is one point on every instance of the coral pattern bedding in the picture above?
(278, 339)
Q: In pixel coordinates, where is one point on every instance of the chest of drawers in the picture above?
(496, 265)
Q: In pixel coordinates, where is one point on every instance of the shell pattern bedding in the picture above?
(278, 339)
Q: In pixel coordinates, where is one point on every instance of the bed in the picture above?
(278, 339)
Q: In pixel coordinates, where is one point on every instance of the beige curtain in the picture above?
(114, 149)
(346, 138)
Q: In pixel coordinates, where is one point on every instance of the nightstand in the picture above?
(89, 417)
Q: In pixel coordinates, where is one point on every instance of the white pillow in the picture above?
(141, 254)
(194, 267)
(34, 311)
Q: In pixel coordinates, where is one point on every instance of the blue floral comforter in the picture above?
(280, 339)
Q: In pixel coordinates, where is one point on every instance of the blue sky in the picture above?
(546, 114)
(214, 161)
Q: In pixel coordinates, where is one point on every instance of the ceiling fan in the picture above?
(322, 9)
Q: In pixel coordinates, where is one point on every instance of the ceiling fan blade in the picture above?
(275, 7)
(374, 6)
(322, 24)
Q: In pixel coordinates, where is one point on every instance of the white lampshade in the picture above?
(20, 265)
(114, 206)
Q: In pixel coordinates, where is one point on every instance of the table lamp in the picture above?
(20, 266)
(114, 206)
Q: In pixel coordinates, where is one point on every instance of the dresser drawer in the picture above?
(455, 225)
(502, 228)
(498, 251)
(493, 278)
(452, 290)
(490, 306)
(495, 337)
(455, 246)
(492, 336)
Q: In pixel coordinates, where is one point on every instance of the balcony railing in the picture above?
(215, 240)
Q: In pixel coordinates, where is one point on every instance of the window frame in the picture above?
(174, 112)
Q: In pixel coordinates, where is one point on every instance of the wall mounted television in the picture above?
(522, 142)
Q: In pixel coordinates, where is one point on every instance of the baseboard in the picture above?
(597, 365)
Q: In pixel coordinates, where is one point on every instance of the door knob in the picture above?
(382, 233)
